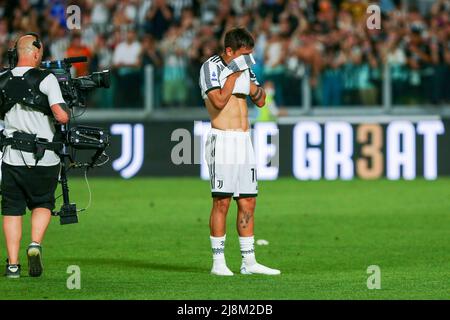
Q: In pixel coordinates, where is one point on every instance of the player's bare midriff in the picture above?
(234, 116)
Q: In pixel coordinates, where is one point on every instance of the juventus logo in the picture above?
(132, 157)
(219, 184)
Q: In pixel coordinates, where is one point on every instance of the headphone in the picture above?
(12, 53)
(36, 42)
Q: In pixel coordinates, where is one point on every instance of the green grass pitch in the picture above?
(148, 239)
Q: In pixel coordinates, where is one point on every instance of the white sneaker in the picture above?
(221, 269)
(258, 269)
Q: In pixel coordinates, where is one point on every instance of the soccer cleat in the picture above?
(34, 254)
(221, 270)
(258, 269)
(12, 270)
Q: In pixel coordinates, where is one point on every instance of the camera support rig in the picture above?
(74, 92)
(79, 138)
(68, 213)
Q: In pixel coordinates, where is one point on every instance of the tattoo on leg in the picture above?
(243, 222)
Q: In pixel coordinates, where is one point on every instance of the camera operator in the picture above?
(30, 102)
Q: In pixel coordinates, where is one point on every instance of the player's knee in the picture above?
(221, 205)
(247, 204)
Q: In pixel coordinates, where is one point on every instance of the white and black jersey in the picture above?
(25, 119)
(210, 77)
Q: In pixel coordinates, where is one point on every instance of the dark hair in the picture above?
(237, 38)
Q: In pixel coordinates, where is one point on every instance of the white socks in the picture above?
(249, 264)
(218, 249)
(247, 245)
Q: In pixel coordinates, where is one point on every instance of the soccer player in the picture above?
(229, 151)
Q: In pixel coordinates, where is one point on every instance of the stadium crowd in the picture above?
(326, 39)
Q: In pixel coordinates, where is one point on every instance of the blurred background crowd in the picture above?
(324, 42)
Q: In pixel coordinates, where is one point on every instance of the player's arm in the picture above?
(257, 94)
(219, 97)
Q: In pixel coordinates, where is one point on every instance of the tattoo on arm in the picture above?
(257, 94)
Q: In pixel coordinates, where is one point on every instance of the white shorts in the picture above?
(231, 162)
